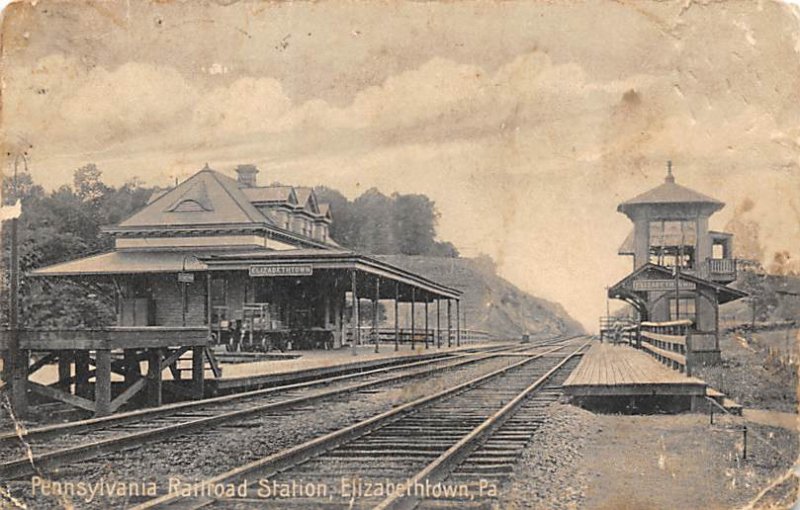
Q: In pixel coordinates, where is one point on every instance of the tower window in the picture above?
(685, 309)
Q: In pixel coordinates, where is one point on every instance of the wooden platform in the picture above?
(621, 370)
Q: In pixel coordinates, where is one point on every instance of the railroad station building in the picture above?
(681, 269)
(217, 260)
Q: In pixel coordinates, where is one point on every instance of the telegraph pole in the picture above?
(18, 365)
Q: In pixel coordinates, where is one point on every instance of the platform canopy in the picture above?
(163, 261)
(125, 262)
(326, 260)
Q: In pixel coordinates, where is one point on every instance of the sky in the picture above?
(526, 121)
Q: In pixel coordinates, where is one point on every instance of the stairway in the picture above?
(726, 403)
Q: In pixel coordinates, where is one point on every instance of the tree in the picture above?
(373, 218)
(88, 183)
(343, 228)
(762, 296)
(414, 224)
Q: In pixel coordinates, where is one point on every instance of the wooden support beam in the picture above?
(128, 394)
(102, 383)
(173, 370)
(212, 360)
(174, 356)
(198, 371)
(171, 362)
(67, 398)
(64, 370)
(44, 360)
(154, 380)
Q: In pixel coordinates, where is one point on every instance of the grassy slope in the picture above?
(492, 303)
(759, 369)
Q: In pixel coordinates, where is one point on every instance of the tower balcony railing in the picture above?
(721, 269)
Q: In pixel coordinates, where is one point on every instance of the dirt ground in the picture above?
(652, 462)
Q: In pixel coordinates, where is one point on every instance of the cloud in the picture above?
(62, 103)
(248, 105)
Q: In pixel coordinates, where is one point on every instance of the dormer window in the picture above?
(188, 206)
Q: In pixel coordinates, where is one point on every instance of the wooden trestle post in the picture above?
(64, 370)
(132, 371)
(82, 386)
(154, 381)
(198, 370)
(102, 385)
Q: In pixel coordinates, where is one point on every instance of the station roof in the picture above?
(280, 194)
(207, 198)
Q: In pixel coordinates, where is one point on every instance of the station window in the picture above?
(686, 310)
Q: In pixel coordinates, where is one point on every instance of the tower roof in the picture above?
(671, 193)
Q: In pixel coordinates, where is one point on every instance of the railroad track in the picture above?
(50, 447)
(468, 435)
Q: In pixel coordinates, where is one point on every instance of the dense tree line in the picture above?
(61, 225)
(386, 225)
(65, 224)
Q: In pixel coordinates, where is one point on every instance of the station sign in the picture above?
(284, 270)
(661, 285)
(186, 277)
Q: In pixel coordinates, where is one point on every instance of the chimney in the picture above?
(246, 175)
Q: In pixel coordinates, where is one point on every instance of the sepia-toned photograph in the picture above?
(398, 254)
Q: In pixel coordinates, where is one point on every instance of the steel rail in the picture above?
(297, 454)
(436, 470)
(134, 416)
(28, 465)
